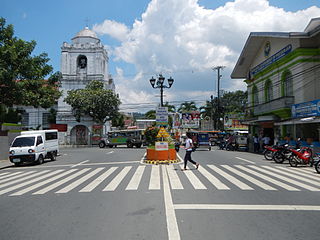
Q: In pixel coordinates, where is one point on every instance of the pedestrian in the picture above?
(189, 146)
(256, 144)
(266, 141)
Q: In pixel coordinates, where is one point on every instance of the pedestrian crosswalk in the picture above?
(149, 178)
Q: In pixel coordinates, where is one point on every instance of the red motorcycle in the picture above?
(303, 156)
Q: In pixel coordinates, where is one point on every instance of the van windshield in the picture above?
(23, 142)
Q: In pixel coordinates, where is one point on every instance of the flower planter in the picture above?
(162, 155)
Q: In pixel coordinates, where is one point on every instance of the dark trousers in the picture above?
(187, 158)
(256, 147)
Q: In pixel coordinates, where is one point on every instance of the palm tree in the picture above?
(171, 108)
(187, 107)
(150, 114)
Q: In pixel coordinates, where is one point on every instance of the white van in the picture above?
(34, 146)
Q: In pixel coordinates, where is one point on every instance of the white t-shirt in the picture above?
(189, 144)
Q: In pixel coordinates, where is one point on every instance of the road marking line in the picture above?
(24, 178)
(173, 177)
(293, 175)
(246, 207)
(196, 183)
(249, 178)
(135, 180)
(110, 152)
(99, 180)
(109, 163)
(57, 184)
(215, 181)
(306, 175)
(117, 180)
(172, 225)
(9, 175)
(79, 181)
(154, 183)
(23, 191)
(291, 181)
(14, 187)
(266, 178)
(1, 174)
(142, 159)
(78, 164)
(245, 160)
(230, 178)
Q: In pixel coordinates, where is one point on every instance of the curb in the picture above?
(161, 161)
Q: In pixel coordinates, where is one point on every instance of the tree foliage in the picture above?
(234, 102)
(94, 101)
(22, 75)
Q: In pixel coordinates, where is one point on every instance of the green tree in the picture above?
(234, 102)
(118, 121)
(22, 75)
(150, 114)
(187, 107)
(94, 101)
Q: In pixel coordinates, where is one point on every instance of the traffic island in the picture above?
(161, 152)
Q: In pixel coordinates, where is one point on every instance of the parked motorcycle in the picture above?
(316, 160)
(269, 151)
(303, 156)
(282, 154)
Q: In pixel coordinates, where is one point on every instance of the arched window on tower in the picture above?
(82, 62)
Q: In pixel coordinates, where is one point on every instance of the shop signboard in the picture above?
(280, 54)
(162, 116)
(306, 109)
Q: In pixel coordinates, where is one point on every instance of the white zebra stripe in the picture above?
(135, 180)
(215, 181)
(99, 180)
(29, 182)
(14, 176)
(57, 184)
(23, 179)
(154, 183)
(266, 178)
(249, 178)
(173, 177)
(79, 181)
(299, 184)
(35, 186)
(117, 180)
(196, 183)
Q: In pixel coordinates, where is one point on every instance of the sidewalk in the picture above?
(5, 164)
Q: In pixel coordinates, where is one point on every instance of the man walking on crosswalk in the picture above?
(189, 146)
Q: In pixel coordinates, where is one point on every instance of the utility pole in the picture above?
(218, 93)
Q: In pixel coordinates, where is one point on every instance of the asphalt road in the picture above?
(92, 193)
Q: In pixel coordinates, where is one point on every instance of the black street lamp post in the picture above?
(160, 84)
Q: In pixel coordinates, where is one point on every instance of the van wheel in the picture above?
(53, 157)
(40, 160)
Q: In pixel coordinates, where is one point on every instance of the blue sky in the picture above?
(50, 23)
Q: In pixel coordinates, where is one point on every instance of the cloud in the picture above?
(185, 40)
(114, 29)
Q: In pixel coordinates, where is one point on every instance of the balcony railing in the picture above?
(273, 105)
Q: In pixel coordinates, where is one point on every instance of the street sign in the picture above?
(160, 146)
(162, 116)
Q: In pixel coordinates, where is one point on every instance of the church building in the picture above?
(82, 61)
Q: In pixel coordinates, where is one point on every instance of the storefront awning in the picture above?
(299, 121)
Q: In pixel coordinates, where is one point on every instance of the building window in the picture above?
(287, 84)
(82, 61)
(268, 91)
(255, 96)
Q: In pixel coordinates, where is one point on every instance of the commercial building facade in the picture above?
(282, 72)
